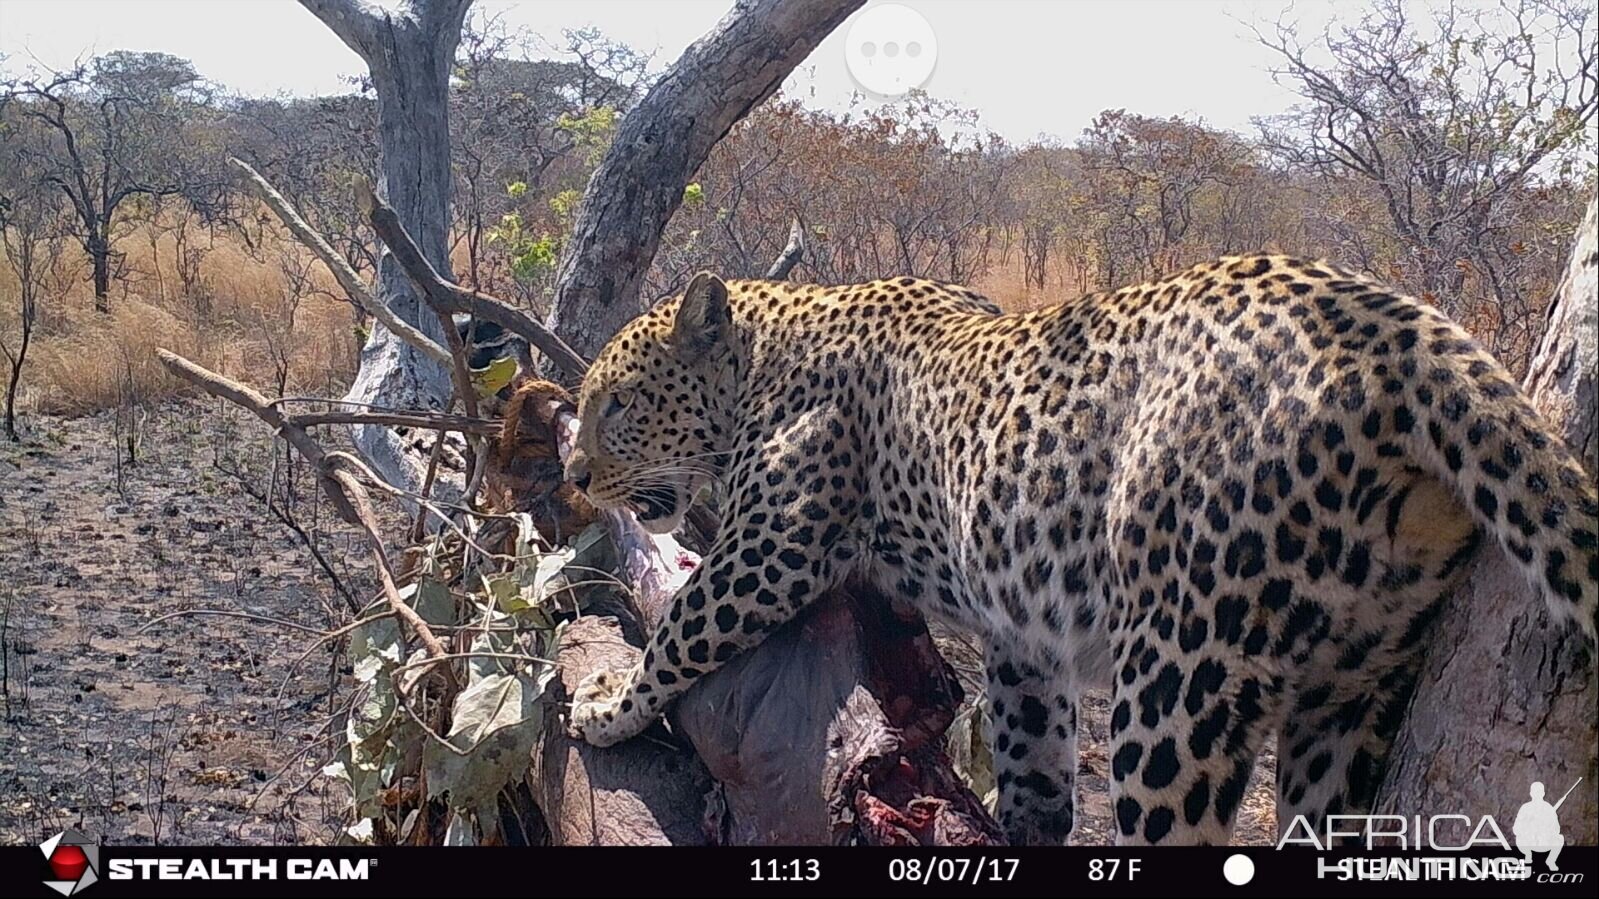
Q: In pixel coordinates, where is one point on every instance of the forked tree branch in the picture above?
(342, 487)
(661, 143)
(453, 298)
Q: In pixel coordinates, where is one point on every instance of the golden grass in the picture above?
(82, 361)
(1005, 282)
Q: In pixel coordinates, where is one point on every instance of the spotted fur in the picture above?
(1236, 496)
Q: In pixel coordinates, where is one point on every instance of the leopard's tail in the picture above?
(1473, 428)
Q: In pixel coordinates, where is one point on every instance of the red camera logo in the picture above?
(74, 860)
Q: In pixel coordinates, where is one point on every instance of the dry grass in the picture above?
(1005, 282)
(241, 324)
(83, 361)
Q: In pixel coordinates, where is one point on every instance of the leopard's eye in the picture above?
(619, 400)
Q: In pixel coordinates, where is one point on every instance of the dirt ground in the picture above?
(203, 729)
(189, 730)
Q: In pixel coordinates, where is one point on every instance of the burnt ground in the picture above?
(175, 731)
(141, 731)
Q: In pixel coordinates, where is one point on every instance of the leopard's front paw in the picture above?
(602, 713)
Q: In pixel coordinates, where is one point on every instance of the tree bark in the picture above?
(793, 253)
(100, 259)
(409, 53)
(1505, 699)
(13, 384)
(661, 143)
(644, 792)
(16, 376)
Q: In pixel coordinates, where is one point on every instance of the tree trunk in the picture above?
(16, 378)
(1505, 699)
(660, 145)
(409, 53)
(100, 257)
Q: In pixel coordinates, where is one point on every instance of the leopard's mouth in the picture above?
(659, 509)
(655, 505)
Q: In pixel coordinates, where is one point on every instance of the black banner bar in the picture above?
(743, 872)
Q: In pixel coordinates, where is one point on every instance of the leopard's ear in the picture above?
(702, 318)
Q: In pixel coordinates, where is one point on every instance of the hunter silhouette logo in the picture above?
(74, 860)
(1537, 826)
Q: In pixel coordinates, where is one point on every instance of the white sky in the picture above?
(1029, 67)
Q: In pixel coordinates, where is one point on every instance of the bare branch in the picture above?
(436, 421)
(792, 254)
(340, 267)
(451, 297)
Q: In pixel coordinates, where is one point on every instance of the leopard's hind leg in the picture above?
(1350, 699)
(1034, 713)
(1183, 747)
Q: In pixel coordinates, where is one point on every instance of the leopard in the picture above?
(1235, 497)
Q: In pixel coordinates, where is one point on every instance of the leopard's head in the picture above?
(648, 434)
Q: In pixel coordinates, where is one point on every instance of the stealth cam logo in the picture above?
(74, 859)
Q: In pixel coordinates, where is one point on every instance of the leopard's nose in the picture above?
(577, 469)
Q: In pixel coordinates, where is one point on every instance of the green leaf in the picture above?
(494, 724)
(432, 601)
(378, 639)
(506, 593)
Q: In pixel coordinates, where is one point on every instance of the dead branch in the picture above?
(449, 297)
(793, 253)
(432, 421)
(347, 494)
(455, 357)
(341, 269)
